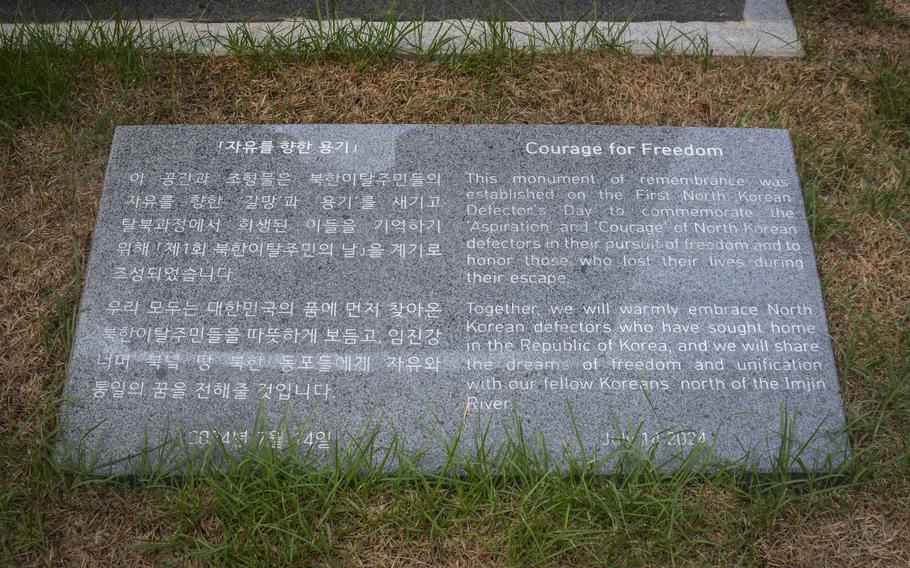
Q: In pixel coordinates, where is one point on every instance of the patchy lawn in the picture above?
(846, 106)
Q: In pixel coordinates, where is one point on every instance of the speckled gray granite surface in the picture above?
(240, 11)
(596, 283)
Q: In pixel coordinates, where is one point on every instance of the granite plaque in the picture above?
(602, 286)
(274, 10)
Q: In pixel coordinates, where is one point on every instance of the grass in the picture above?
(37, 61)
(845, 106)
(262, 507)
(891, 96)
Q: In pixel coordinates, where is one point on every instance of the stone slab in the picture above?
(595, 283)
(273, 10)
(761, 28)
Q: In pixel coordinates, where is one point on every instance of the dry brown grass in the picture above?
(869, 265)
(104, 530)
(858, 535)
(388, 549)
(51, 178)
